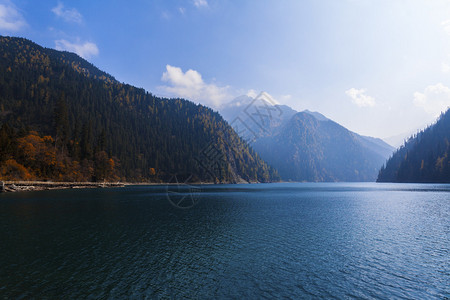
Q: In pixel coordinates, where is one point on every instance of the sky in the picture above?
(378, 67)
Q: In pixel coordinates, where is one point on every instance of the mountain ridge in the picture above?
(285, 138)
(89, 126)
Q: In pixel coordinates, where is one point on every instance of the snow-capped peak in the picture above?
(267, 98)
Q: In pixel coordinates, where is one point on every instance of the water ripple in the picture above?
(331, 241)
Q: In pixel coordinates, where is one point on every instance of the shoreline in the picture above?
(29, 186)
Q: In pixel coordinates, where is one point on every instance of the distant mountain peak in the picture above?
(244, 100)
(240, 101)
(304, 145)
(267, 97)
(261, 115)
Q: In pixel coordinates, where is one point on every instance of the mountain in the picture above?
(425, 157)
(316, 115)
(256, 117)
(307, 146)
(232, 109)
(310, 149)
(377, 145)
(61, 118)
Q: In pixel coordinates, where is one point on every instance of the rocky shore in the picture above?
(18, 186)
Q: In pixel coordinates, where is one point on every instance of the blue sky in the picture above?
(378, 67)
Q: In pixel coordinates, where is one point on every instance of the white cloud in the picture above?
(190, 85)
(200, 3)
(434, 100)
(11, 19)
(360, 98)
(252, 93)
(182, 10)
(85, 50)
(446, 25)
(69, 15)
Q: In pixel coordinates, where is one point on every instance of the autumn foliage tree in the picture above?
(12, 170)
(32, 157)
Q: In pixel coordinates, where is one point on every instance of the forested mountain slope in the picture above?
(425, 157)
(62, 118)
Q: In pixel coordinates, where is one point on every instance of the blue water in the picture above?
(299, 240)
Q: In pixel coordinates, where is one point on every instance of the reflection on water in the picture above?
(255, 241)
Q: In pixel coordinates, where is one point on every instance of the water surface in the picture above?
(289, 240)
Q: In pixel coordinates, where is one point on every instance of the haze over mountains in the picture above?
(305, 146)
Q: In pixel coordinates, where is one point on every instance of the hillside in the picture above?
(62, 118)
(311, 149)
(425, 157)
(305, 146)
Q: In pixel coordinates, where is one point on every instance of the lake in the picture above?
(283, 240)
